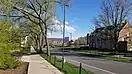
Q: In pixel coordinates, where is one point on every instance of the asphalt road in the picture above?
(97, 65)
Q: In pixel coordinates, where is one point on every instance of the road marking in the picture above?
(95, 67)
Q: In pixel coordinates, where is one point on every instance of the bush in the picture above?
(8, 61)
(9, 41)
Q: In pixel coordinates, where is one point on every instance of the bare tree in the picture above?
(114, 12)
(96, 22)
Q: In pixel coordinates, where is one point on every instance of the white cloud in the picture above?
(58, 26)
(69, 29)
(66, 23)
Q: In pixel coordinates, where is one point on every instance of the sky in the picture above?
(78, 17)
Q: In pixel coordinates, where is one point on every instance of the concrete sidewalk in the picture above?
(37, 65)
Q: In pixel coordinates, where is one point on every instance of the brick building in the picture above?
(99, 39)
(126, 35)
(101, 42)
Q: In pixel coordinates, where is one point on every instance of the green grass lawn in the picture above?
(108, 57)
(95, 52)
(126, 60)
(68, 68)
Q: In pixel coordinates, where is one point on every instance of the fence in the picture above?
(68, 68)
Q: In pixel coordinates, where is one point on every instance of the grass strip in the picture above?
(68, 68)
(108, 57)
(126, 60)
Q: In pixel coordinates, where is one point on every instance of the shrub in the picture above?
(9, 41)
(8, 61)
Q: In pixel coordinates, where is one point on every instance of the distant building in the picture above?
(58, 41)
(99, 39)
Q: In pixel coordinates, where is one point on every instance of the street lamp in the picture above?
(63, 35)
(65, 4)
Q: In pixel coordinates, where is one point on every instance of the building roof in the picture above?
(103, 31)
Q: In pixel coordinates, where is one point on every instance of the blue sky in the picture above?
(79, 16)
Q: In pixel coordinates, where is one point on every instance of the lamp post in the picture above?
(63, 35)
(65, 4)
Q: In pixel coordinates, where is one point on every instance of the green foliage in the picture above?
(8, 5)
(8, 61)
(39, 12)
(9, 41)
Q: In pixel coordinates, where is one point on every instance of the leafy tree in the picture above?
(33, 32)
(38, 12)
(9, 41)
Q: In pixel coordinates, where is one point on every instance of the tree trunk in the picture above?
(41, 43)
(47, 46)
(116, 39)
(46, 42)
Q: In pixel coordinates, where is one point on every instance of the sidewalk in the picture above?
(37, 65)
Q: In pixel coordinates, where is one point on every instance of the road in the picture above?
(97, 65)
